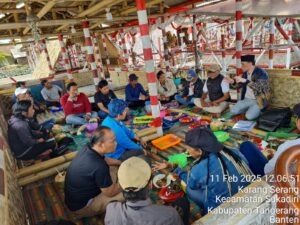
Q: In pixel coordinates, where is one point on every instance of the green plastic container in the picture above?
(181, 159)
(281, 135)
(222, 136)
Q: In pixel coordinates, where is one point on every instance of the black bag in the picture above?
(275, 118)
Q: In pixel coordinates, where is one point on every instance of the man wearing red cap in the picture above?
(255, 89)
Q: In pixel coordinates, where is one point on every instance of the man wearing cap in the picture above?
(270, 166)
(134, 177)
(90, 184)
(135, 93)
(215, 92)
(255, 89)
(209, 177)
(22, 93)
(126, 145)
(192, 90)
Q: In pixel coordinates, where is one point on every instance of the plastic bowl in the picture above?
(91, 127)
(157, 178)
(170, 197)
(181, 159)
(222, 136)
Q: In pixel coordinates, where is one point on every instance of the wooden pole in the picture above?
(90, 52)
(149, 64)
(65, 58)
(197, 58)
(165, 43)
(271, 50)
(289, 50)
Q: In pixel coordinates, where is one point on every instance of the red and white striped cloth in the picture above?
(98, 55)
(223, 46)
(44, 48)
(272, 39)
(90, 51)
(65, 57)
(105, 50)
(149, 64)
(239, 36)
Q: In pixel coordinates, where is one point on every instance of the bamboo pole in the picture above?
(45, 165)
(150, 137)
(41, 175)
(146, 131)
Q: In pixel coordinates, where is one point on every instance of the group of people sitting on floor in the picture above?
(123, 193)
(112, 173)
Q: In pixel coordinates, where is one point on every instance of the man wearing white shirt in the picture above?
(51, 93)
(270, 166)
(255, 89)
(215, 92)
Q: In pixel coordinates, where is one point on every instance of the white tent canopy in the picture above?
(257, 8)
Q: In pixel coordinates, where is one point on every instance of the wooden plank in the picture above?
(133, 9)
(96, 8)
(41, 13)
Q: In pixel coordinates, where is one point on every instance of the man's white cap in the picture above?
(20, 91)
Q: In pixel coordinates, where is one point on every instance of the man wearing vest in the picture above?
(215, 92)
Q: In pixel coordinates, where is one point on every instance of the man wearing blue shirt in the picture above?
(135, 93)
(126, 147)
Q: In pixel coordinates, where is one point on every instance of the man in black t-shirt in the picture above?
(103, 97)
(88, 184)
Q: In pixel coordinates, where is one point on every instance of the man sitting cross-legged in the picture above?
(77, 108)
(90, 184)
(215, 92)
(126, 147)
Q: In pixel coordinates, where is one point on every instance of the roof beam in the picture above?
(55, 9)
(92, 10)
(42, 12)
(49, 23)
(148, 4)
(58, 1)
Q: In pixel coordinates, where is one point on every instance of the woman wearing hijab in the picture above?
(209, 178)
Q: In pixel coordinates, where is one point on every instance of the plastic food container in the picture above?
(55, 109)
(222, 136)
(166, 141)
(180, 159)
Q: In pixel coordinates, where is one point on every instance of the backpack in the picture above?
(275, 118)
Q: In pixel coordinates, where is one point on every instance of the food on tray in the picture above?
(161, 183)
(56, 129)
(186, 120)
(216, 125)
